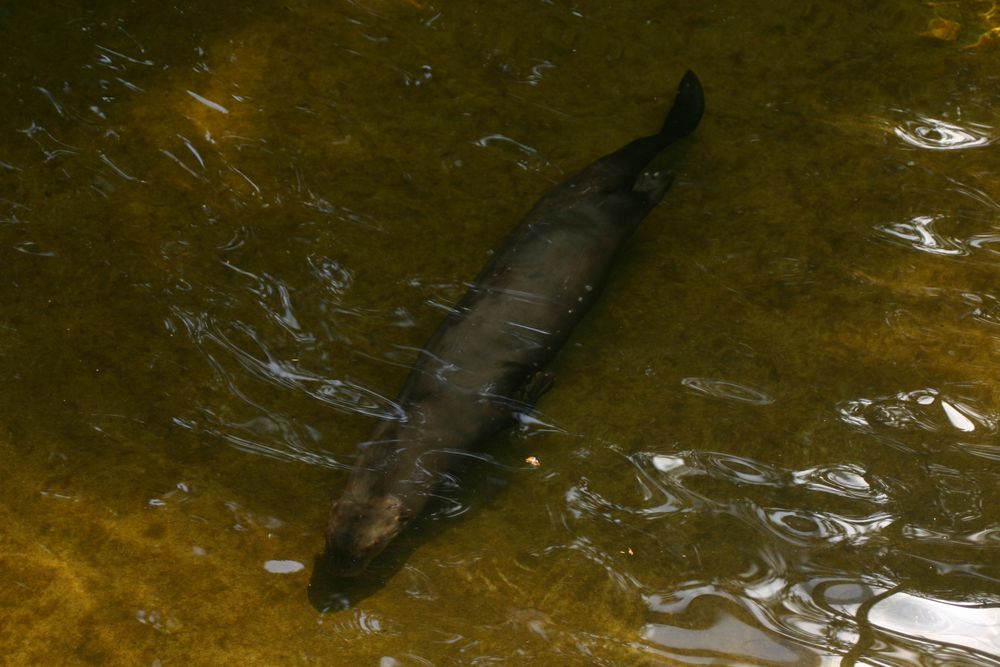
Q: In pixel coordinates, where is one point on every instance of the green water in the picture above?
(226, 228)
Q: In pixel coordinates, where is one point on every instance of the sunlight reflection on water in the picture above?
(923, 409)
(940, 135)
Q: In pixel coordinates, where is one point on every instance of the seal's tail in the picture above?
(689, 105)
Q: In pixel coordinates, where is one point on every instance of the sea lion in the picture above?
(485, 362)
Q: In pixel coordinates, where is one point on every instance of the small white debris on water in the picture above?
(589, 288)
(665, 463)
(199, 551)
(283, 566)
(957, 419)
(156, 502)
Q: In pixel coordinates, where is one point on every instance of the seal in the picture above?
(486, 360)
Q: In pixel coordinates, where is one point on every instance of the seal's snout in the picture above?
(358, 531)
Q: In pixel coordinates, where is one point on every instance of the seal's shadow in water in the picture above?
(469, 485)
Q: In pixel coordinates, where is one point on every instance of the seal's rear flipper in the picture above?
(633, 158)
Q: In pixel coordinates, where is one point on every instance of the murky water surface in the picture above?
(227, 228)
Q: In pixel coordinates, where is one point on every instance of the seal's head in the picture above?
(358, 531)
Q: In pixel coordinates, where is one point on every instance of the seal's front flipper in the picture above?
(535, 388)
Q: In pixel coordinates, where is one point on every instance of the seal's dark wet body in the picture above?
(486, 360)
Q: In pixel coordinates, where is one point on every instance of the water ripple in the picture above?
(672, 474)
(343, 395)
(243, 360)
(939, 135)
(530, 160)
(742, 469)
(729, 637)
(984, 307)
(987, 537)
(846, 480)
(274, 297)
(962, 633)
(805, 528)
(920, 234)
(727, 389)
(333, 275)
(919, 410)
(822, 620)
